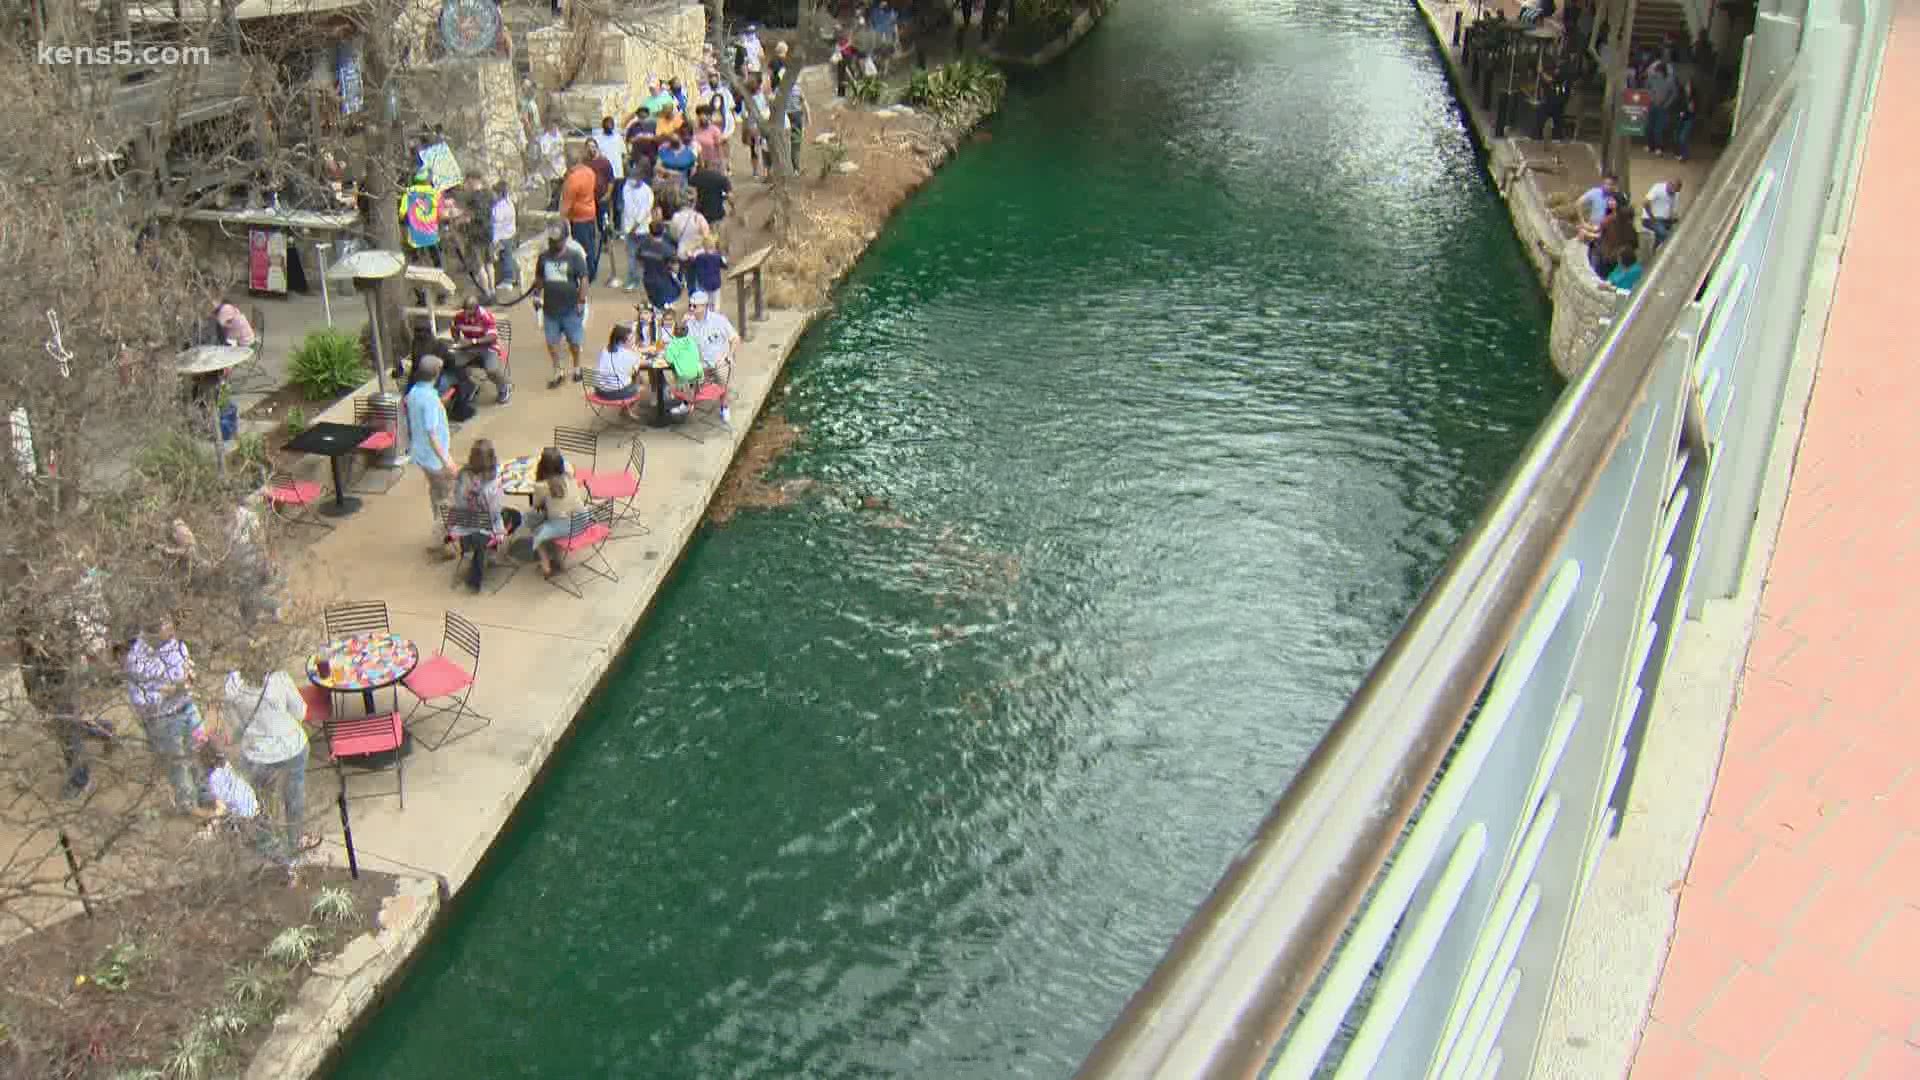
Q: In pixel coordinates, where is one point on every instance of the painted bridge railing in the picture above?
(1402, 909)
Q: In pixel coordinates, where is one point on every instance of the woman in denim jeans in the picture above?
(159, 674)
(268, 726)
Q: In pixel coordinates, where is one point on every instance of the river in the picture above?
(1126, 450)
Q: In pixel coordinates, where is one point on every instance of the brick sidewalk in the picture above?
(1796, 955)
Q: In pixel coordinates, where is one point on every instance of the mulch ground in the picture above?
(118, 994)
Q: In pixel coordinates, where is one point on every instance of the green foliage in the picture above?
(294, 947)
(179, 463)
(193, 1057)
(249, 451)
(328, 363)
(831, 155)
(115, 968)
(334, 905)
(296, 421)
(953, 90)
(868, 89)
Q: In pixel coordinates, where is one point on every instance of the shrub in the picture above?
(334, 905)
(953, 90)
(296, 421)
(868, 89)
(294, 947)
(327, 364)
(180, 464)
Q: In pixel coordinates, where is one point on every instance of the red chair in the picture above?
(711, 390)
(441, 676)
(622, 488)
(608, 411)
(319, 706)
(369, 736)
(384, 418)
(503, 329)
(478, 521)
(584, 545)
(581, 449)
(294, 501)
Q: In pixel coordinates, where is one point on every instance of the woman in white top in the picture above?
(616, 376)
(690, 229)
(267, 724)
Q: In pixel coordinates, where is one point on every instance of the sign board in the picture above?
(267, 261)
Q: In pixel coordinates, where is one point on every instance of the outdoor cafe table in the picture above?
(364, 663)
(333, 440)
(207, 359)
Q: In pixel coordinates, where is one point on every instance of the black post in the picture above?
(346, 831)
(73, 871)
(1456, 28)
(1500, 114)
(759, 297)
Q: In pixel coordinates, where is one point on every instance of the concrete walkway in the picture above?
(543, 651)
(1797, 951)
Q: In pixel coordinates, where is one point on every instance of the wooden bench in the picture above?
(750, 266)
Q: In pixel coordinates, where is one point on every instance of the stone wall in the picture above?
(620, 61)
(340, 990)
(1583, 308)
(474, 100)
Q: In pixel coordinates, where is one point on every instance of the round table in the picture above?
(364, 662)
(207, 359)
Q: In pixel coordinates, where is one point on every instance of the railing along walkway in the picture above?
(1797, 952)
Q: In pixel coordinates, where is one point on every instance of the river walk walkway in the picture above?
(543, 651)
(1796, 955)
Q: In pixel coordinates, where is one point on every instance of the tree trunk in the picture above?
(382, 149)
(1615, 154)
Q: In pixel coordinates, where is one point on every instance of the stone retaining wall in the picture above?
(1583, 305)
(339, 990)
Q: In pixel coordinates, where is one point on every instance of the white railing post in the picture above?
(1773, 335)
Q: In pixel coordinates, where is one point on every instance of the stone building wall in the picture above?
(474, 101)
(623, 58)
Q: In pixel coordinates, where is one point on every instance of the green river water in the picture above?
(1176, 392)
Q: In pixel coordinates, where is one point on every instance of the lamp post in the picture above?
(366, 270)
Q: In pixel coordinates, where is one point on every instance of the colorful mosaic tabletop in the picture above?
(365, 662)
(516, 476)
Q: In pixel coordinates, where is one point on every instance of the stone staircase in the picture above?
(1654, 19)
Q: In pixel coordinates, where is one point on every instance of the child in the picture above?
(233, 797)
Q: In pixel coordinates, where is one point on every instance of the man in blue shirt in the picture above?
(1598, 200)
(428, 444)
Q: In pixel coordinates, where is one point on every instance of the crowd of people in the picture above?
(1612, 226)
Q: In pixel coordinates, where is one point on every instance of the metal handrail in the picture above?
(1221, 999)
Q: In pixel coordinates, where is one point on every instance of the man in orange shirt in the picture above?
(580, 205)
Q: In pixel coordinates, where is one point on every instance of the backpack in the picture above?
(206, 331)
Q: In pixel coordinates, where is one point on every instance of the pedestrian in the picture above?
(266, 725)
(564, 279)
(58, 647)
(506, 228)
(796, 120)
(1664, 90)
(552, 152)
(159, 671)
(1663, 210)
(420, 219)
(429, 444)
(579, 206)
(636, 213)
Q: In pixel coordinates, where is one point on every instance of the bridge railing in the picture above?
(1401, 910)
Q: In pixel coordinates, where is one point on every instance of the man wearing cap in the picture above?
(478, 342)
(564, 277)
(717, 339)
